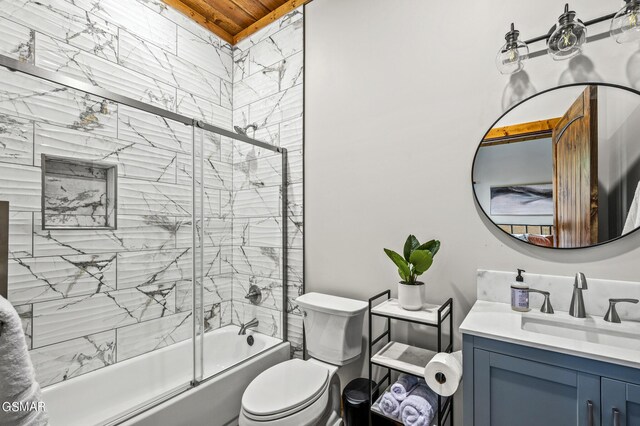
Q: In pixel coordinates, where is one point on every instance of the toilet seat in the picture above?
(285, 389)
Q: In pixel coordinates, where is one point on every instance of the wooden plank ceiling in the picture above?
(234, 20)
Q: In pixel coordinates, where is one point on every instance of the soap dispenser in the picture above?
(519, 294)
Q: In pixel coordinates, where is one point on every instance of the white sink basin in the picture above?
(586, 330)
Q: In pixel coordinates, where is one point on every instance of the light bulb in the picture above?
(512, 54)
(625, 25)
(568, 36)
(567, 40)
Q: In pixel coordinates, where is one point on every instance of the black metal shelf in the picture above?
(434, 316)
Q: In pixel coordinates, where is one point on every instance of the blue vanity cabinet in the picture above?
(506, 384)
(620, 403)
(514, 391)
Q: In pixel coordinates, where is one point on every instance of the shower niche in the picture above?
(78, 194)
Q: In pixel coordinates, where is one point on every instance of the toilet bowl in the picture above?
(294, 392)
(301, 393)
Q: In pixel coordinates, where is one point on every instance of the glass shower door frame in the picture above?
(198, 235)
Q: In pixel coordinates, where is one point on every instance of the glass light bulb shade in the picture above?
(625, 26)
(567, 40)
(510, 57)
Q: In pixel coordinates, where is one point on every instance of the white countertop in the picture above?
(498, 321)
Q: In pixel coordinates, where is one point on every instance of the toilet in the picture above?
(300, 393)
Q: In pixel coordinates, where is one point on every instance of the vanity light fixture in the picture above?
(567, 37)
(512, 54)
(625, 25)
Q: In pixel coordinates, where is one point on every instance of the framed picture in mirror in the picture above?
(522, 200)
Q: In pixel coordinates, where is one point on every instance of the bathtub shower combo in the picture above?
(148, 253)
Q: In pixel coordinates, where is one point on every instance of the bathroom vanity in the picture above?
(534, 368)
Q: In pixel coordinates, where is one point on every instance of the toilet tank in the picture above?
(333, 327)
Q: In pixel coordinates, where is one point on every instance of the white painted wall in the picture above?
(398, 95)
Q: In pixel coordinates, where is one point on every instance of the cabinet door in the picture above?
(620, 403)
(512, 391)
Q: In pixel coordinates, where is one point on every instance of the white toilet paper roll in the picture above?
(444, 372)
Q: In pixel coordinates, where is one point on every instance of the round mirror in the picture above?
(562, 168)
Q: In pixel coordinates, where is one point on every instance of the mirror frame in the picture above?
(507, 111)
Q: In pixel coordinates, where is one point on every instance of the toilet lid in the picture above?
(284, 387)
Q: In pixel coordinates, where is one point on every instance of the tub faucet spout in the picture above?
(251, 324)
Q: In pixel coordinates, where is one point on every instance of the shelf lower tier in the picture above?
(375, 409)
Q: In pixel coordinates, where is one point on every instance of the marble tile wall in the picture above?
(268, 105)
(135, 281)
(92, 298)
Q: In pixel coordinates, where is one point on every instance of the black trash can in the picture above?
(355, 401)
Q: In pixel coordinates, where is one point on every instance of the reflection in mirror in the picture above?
(562, 169)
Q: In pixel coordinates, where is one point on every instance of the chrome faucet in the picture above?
(577, 302)
(612, 314)
(251, 324)
(546, 307)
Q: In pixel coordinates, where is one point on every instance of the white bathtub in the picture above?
(104, 395)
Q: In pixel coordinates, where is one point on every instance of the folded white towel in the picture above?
(419, 408)
(633, 217)
(390, 406)
(405, 383)
(17, 377)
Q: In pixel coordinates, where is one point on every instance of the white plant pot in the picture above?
(410, 296)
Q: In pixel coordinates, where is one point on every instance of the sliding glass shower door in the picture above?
(239, 237)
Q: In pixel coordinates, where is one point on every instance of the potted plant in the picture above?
(417, 259)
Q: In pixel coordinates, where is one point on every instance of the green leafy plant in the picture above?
(417, 259)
